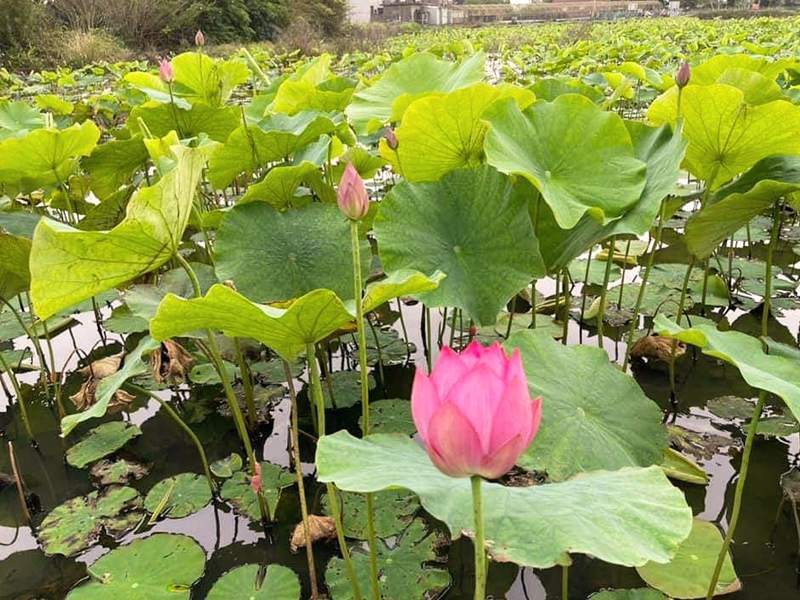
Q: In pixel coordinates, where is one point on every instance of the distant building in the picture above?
(423, 12)
(360, 11)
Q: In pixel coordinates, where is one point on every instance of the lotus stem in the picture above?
(428, 327)
(327, 375)
(12, 458)
(674, 348)
(403, 325)
(18, 391)
(511, 315)
(480, 543)
(31, 335)
(55, 374)
(316, 393)
(182, 424)
(567, 304)
(624, 266)
(362, 359)
(379, 350)
(298, 469)
(453, 327)
(603, 293)
(247, 383)
(584, 290)
(565, 582)
(533, 304)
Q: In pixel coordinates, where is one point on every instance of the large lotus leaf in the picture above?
(18, 118)
(75, 525)
(779, 374)
(738, 203)
(108, 386)
(239, 492)
(275, 138)
(143, 299)
(273, 256)
(756, 88)
(44, 157)
(330, 95)
(113, 164)
(597, 418)
(154, 87)
(390, 416)
(711, 70)
(421, 73)
(278, 187)
(245, 583)
(663, 150)
(199, 77)
(580, 157)
(406, 568)
(287, 330)
(727, 137)
(346, 388)
(69, 265)
(550, 88)
(109, 213)
(216, 122)
(178, 496)
(441, 133)
(626, 517)
(100, 442)
(470, 226)
(15, 276)
(19, 222)
(405, 282)
(163, 566)
(641, 594)
(688, 575)
(392, 511)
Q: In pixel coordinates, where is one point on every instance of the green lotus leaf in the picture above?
(143, 299)
(346, 388)
(393, 512)
(69, 265)
(420, 73)
(388, 346)
(163, 566)
(680, 467)
(779, 374)
(757, 89)
(408, 570)
(306, 320)
(296, 251)
(688, 575)
(278, 187)
(550, 88)
(441, 133)
(44, 157)
(17, 119)
(470, 226)
(100, 442)
(117, 472)
(626, 517)
(597, 271)
(154, 88)
(238, 491)
(112, 164)
(727, 137)
(405, 282)
(19, 222)
(15, 276)
(365, 163)
(390, 416)
(109, 213)
(216, 122)
(275, 138)
(245, 583)
(580, 157)
(200, 78)
(75, 525)
(598, 418)
(710, 71)
(641, 594)
(185, 494)
(54, 104)
(224, 468)
(738, 203)
(332, 94)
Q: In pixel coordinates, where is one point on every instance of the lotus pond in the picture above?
(207, 367)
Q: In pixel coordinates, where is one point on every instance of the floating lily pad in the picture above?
(393, 348)
(179, 496)
(272, 370)
(100, 442)
(238, 491)
(75, 525)
(107, 472)
(677, 466)
(393, 511)
(406, 569)
(777, 425)
(346, 388)
(731, 407)
(224, 468)
(245, 583)
(597, 271)
(163, 566)
(642, 594)
(390, 416)
(688, 575)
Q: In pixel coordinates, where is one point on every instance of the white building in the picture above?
(521, 2)
(360, 11)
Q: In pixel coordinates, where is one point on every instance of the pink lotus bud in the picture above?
(166, 72)
(391, 139)
(474, 412)
(684, 75)
(199, 39)
(255, 480)
(353, 197)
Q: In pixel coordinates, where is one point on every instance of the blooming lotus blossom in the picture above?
(352, 196)
(166, 71)
(474, 412)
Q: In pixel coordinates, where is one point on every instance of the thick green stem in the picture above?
(603, 293)
(674, 348)
(453, 328)
(565, 582)
(624, 266)
(533, 304)
(362, 359)
(247, 383)
(567, 303)
(316, 392)
(182, 424)
(480, 544)
(428, 337)
(511, 315)
(18, 391)
(31, 335)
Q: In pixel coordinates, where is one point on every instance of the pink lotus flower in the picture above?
(199, 39)
(391, 139)
(684, 75)
(255, 480)
(353, 197)
(474, 412)
(166, 71)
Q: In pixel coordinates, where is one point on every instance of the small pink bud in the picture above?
(166, 72)
(199, 39)
(684, 75)
(391, 139)
(255, 480)
(474, 412)
(353, 197)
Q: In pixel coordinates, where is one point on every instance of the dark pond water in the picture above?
(765, 553)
